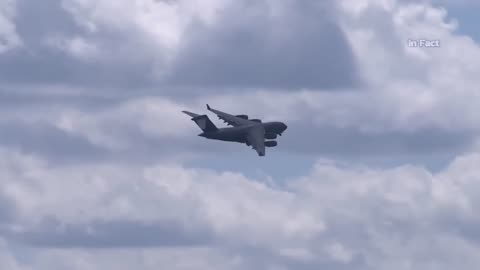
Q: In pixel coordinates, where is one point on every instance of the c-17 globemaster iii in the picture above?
(252, 132)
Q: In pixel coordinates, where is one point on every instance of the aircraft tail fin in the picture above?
(202, 121)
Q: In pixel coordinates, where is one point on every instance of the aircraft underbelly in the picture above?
(234, 135)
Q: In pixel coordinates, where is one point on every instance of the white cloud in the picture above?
(156, 118)
(364, 218)
(9, 38)
(7, 260)
(338, 252)
(114, 126)
(78, 47)
(157, 26)
(408, 89)
(411, 88)
(416, 86)
(335, 216)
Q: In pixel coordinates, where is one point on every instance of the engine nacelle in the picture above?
(271, 143)
(243, 116)
(270, 136)
(256, 120)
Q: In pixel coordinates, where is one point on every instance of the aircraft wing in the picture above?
(256, 138)
(230, 119)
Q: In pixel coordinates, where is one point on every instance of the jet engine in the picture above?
(270, 136)
(256, 120)
(243, 116)
(271, 143)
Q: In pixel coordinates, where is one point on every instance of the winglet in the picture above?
(208, 107)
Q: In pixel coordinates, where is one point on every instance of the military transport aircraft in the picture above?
(249, 131)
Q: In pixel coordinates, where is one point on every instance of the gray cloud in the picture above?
(334, 216)
(49, 141)
(107, 209)
(352, 141)
(301, 47)
(7, 210)
(251, 46)
(50, 18)
(134, 125)
(41, 61)
(114, 234)
(35, 62)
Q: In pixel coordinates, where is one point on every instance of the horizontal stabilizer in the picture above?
(190, 114)
(202, 121)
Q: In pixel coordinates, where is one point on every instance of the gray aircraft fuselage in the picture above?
(252, 132)
(239, 134)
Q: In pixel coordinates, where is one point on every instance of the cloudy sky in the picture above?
(379, 168)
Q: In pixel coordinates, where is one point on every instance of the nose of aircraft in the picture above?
(284, 127)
